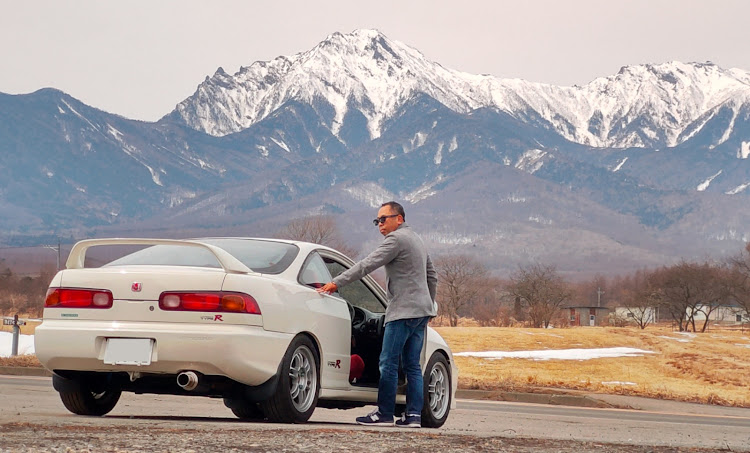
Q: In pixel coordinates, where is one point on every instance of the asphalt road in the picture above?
(30, 405)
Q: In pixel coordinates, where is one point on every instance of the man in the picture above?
(411, 284)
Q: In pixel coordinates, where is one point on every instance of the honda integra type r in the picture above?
(231, 318)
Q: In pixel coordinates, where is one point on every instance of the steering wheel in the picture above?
(351, 310)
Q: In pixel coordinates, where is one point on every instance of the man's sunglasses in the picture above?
(382, 218)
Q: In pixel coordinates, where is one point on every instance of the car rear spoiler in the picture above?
(77, 256)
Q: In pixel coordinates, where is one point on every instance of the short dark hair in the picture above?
(395, 207)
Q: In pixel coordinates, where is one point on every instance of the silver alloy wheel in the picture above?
(303, 378)
(438, 390)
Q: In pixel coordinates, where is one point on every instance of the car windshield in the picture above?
(266, 257)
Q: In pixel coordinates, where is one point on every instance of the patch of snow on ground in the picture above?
(618, 383)
(114, 132)
(687, 337)
(25, 344)
(154, 176)
(744, 151)
(79, 115)
(540, 220)
(738, 189)
(704, 185)
(281, 144)
(559, 354)
(619, 166)
(515, 198)
(531, 160)
(454, 145)
(730, 235)
(370, 193)
(439, 154)
(417, 141)
(450, 238)
(681, 340)
(423, 192)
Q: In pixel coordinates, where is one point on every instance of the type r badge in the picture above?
(136, 287)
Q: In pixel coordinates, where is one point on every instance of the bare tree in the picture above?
(541, 290)
(590, 292)
(24, 294)
(461, 280)
(491, 307)
(740, 280)
(688, 289)
(640, 299)
(317, 229)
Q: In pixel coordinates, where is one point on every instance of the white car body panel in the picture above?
(247, 354)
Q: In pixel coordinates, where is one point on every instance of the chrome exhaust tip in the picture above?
(188, 380)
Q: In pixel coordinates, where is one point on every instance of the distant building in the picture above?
(723, 314)
(588, 316)
(647, 315)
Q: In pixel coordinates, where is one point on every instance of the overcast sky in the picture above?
(139, 58)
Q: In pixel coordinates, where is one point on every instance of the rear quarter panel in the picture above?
(290, 307)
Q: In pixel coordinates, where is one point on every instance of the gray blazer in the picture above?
(411, 280)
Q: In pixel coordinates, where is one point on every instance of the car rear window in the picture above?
(267, 257)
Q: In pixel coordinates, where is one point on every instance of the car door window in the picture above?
(356, 293)
(314, 272)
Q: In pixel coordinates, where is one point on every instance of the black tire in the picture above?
(298, 389)
(86, 400)
(437, 392)
(244, 410)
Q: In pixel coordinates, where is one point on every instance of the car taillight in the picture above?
(220, 301)
(78, 298)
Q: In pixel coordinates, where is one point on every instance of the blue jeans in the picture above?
(403, 340)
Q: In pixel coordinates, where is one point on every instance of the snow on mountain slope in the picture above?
(365, 67)
(645, 105)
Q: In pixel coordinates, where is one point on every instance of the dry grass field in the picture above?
(711, 367)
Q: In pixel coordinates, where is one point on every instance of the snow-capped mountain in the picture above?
(634, 169)
(363, 70)
(641, 106)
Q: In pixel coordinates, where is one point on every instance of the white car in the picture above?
(233, 318)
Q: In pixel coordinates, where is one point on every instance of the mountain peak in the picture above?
(642, 105)
(363, 67)
(358, 35)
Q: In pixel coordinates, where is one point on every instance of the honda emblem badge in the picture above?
(136, 287)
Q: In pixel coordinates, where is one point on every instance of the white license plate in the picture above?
(128, 351)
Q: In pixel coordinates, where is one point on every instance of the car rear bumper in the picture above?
(246, 354)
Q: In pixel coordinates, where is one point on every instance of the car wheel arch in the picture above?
(282, 405)
(445, 354)
(315, 341)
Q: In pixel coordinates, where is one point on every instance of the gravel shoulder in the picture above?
(63, 438)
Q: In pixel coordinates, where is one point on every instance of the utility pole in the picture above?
(599, 293)
(57, 249)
